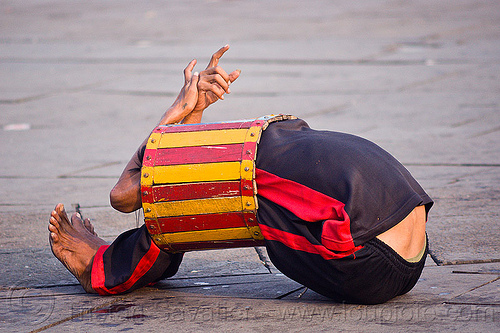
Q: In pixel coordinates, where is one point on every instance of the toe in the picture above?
(55, 216)
(52, 228)
(53, 222)
(76, 218)
(59, 208)
(54, 237)
(62, 213)
(88, 225)
(76, 221)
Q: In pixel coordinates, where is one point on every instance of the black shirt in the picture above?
(364, 182)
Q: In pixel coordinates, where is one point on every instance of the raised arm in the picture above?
(198, 92)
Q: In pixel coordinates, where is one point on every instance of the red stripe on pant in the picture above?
(98, 276)
(311, 206)
(300, 243)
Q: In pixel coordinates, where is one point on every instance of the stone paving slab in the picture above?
(191, 314)
(25, 310)
(37, 267)
(30, 229)
(445, 297)
(465, 209)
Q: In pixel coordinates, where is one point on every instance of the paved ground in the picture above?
(82, 83)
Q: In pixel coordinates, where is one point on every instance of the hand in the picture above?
(188, 97)
(214, 82)
(186, 100)
(200, 91)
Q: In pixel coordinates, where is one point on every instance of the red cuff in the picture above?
(97, 274)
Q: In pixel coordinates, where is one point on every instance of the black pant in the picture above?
(373, 274)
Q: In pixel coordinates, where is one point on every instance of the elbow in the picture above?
(120, 201)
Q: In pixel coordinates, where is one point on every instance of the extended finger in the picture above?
(234, 75)
(214, 61)
(190, 93)
(188, 71)
(193, 82)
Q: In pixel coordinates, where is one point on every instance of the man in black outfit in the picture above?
(338, 213)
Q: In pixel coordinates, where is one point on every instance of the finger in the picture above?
(211, 88)
(234, 75)
(216, 79)
(191, 92)
(214, 61)
(188, 71)
(216, 70)
(194, 81)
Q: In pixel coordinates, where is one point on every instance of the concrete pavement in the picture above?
(84, 82)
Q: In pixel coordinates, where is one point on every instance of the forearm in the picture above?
(175, 114)
(126, 194)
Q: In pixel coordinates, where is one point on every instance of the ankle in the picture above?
(86, 278)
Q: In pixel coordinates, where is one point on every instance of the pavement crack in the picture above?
(464, 122)
(53, 93)
(333, 110)
(434, 79)
(434, 258)
(210, 285)
(440, 262)
(216, 276)
(465, 262)
(477, 272)
(137, 93)
(291, 292)
(471, 303)
(24, 297)
(94, 167)
(23, 99)
(82, 313)
(475, 288)
(496, 165)
(493, 130)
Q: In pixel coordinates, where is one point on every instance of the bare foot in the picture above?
(73, 244)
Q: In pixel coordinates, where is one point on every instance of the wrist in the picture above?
(173, 115)
(193, 118)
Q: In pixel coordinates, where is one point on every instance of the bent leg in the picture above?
(132, 261)
(373, 274)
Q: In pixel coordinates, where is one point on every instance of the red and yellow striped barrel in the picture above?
(198, 188)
